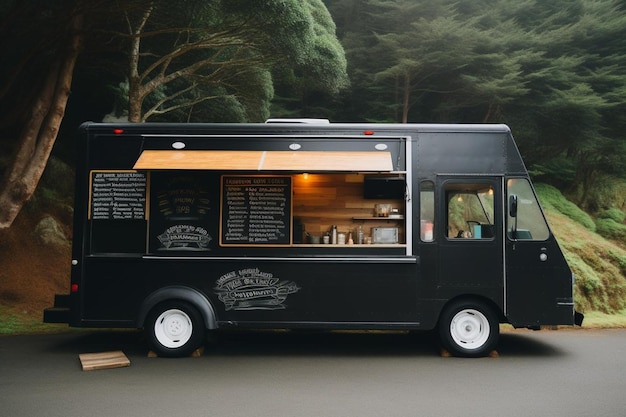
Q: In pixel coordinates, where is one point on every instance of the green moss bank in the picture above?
(599, 264)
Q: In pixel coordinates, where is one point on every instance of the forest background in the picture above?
(555, 72)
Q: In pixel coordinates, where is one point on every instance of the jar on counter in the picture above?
(360, 236)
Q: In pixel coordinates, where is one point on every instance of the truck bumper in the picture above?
(578, 318)
(60, 313)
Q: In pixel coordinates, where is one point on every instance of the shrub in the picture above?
(614, 214)
(610, 229)
(619, 259)
(549, 195)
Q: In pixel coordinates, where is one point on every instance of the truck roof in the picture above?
(233, 128)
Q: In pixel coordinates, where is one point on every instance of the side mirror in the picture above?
(513, 205)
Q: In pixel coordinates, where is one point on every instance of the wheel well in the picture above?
(494, 307)
(178, 293)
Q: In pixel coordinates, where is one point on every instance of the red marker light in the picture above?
(368, 132)
(74, 288)
(118, 131)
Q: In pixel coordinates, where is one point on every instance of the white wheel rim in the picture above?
(470, 329)
(173, 328)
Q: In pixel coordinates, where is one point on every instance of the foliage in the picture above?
(40, 113)
(180, 60)
(171, 58)
(614, 214)
(596, 319)
(552, 197)
(15, 321)
(611, 229)
(551, 70)
(597, 264)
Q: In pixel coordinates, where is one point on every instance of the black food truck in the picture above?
(182, 229)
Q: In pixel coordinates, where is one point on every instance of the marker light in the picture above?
(74, 288)
(368, 132)
(118, 131)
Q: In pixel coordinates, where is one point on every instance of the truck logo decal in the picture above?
(252, 289)
(185, 237)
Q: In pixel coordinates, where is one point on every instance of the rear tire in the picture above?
(175, 329)
(469, 329)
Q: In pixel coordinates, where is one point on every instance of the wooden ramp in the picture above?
(103, 360)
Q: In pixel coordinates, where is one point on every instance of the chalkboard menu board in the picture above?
(118, 195)
(256, 210)
(181, 215)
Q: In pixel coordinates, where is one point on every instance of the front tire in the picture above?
(174, 329)
(469, 329)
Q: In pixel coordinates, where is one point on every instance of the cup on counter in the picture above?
(313, 239)
(326, 239)
(382, 210)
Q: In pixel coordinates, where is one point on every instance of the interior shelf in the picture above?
(393, 217)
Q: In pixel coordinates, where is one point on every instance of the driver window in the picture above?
(528, 223)
(470, 211)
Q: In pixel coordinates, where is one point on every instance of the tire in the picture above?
(469, 329)
(174, 329)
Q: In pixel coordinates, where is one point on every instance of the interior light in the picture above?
(305, 175)
(459, 199)
(491, 191)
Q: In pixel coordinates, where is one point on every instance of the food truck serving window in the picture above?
(212, 202)
(370, 161)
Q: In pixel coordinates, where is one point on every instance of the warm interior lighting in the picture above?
(305, 175)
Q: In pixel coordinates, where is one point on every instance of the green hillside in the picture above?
(599, 264)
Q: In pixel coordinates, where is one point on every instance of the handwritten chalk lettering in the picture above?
(118, 195)
(260, 205)
(253, 289)
(185, 237)
(184, 197)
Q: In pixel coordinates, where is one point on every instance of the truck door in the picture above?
(471, 248)
(538, 280)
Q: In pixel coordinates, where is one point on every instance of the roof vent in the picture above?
(308, 121)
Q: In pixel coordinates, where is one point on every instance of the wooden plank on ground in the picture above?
(103, 360)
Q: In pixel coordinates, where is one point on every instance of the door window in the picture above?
(525, 221)
(469, 211)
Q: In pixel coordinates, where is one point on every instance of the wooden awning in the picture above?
(309, 161)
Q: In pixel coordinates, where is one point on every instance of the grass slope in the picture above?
(598, 264)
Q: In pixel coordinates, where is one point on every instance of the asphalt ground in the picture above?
(548, 373)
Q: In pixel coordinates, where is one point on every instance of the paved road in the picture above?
(547, 373)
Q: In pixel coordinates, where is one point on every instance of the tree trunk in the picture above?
(136, 94)
(406, 97)
(39, 135)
